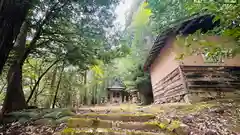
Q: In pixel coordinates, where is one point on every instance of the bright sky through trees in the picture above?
(121, 11)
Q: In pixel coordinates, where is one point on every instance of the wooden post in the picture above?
(120, 97)
(111, 98)
(183, 79)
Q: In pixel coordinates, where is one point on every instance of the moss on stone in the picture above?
(21, 114)
(88, 122)
(160, 125)
(119, 117)
(68, 131)
(59, 114)
(174, 125)
(127, 115)
(45, 121)
(63, 119)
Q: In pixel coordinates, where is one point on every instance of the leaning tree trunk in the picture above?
(12, 15)
(15, 99)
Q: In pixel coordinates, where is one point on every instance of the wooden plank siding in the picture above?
(198, 83)
(170, 88)
(210, 82)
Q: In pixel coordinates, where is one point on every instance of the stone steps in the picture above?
(96, 123)
(115, 124)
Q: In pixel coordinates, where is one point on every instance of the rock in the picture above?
(23, 114)
(53, 115)
(61, 127)
(44, 121)
(174, 125)
(79, 122)
(59, 114)
(218, 110)
(182, 130)
(57, 133)
(211, 132)
(165, 121)
(66, 113)
(9, 119)
(63, 119)
(23, 120)
(188, 119)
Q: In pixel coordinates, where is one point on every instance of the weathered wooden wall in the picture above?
(198, 83)
(170, 88)
(210, 82)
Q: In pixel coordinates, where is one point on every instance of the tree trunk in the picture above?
(12, 16)
(35, 96)
(39, 79)
(146, 93)
(52, 85)
(85, 88)
(58, 85)
(15, 99)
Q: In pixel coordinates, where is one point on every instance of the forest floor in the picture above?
(205, 118)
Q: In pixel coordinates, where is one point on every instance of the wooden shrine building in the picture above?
(192, 78)
(116, 92)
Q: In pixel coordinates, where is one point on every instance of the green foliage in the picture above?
(142, 16)
(165, 12)
(137, 37)
(213, 50)
(72, 30)
(228, 14)
(77, 33)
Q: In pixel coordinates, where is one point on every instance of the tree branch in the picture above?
(40, 78)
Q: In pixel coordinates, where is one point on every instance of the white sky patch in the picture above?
(121, 11)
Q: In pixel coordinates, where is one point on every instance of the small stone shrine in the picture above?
(116, 92)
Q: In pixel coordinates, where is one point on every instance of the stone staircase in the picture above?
(115, 124)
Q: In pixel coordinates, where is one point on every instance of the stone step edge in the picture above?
(117, 114)
(117, 117)
(102, 131)
(141, 126)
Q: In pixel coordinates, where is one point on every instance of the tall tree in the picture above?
(15, 99)
(12, 14)
(72, 30)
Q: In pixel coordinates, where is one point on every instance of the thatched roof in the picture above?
(186, 26)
